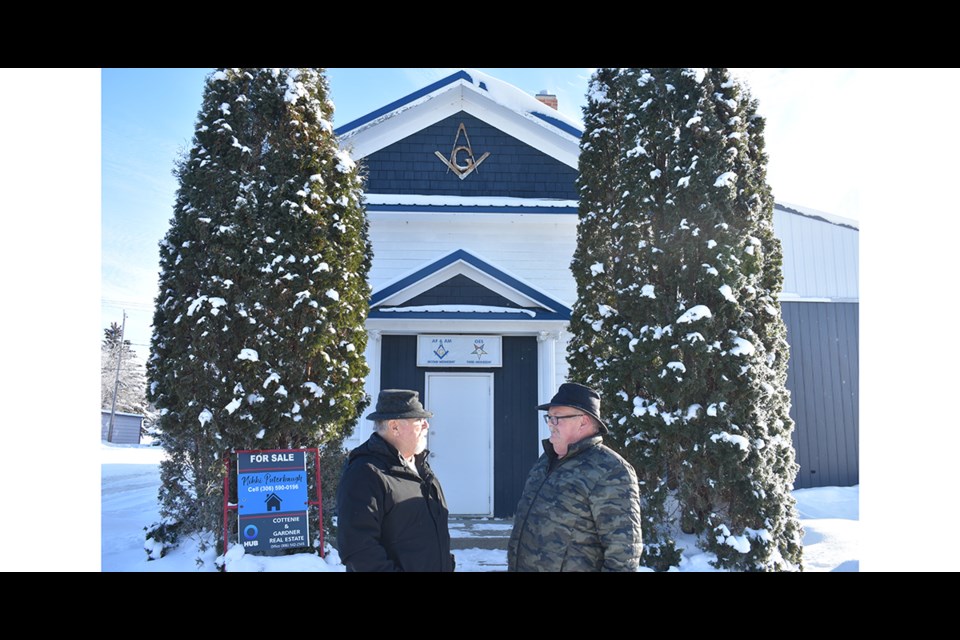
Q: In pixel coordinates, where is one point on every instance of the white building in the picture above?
(472, 205)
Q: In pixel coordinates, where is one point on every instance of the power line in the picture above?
(120, 304)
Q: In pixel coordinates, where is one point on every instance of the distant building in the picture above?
(126, 427)
(821, 308)
(472, 204)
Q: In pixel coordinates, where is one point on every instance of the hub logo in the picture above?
(250, 533)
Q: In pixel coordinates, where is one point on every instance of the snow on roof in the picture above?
(458, 308)
(414, 199)
(814, 213)
(106, 412)
(519, 100)
(502, 93)
(464, 201)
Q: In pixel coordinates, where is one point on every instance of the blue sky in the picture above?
(148, 116)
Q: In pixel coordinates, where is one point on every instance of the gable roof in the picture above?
(498, 103)
(531, 303)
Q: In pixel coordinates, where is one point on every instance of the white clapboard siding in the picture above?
(534, 248)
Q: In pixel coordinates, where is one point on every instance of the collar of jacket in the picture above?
(573, 449)
(378, 445)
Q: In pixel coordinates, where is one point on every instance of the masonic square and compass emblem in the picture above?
(466, 150)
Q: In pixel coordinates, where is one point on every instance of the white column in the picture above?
(371, 386)
(547, 370)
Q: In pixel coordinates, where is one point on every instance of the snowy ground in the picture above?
(130, 480)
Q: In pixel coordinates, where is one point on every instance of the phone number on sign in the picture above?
(272, 487)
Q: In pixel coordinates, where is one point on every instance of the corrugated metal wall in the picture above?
(126, 427)
(824, 382)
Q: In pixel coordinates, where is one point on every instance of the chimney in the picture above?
(547, 98)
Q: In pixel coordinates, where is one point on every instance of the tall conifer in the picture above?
(259, 323)
(691, 355)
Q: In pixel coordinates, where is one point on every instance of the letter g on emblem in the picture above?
(453, 163)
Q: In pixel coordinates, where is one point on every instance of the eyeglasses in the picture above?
(555, 420)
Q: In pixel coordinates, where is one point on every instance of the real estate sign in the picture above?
(272, 500)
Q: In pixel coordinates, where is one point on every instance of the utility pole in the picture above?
(116, 382)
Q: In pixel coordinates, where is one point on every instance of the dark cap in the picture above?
(576, 395)
(399, 403)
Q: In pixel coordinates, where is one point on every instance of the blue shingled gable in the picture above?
(508, 167)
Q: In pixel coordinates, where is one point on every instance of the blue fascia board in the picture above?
(559, 124)
(459, 208)
(480, 265)
(416, 95)
(396, 104)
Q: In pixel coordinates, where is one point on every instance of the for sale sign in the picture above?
(272, 500)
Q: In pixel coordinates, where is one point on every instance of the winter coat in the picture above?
(388, 517)
(578, 513)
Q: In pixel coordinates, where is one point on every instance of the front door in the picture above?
(460, 439)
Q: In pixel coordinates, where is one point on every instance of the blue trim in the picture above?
(416, 95)
(463, 208)
(465, 315)
(396, 104)
(559, 124)
(561, 310)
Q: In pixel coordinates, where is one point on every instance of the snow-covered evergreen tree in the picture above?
(683, 332)
(131, 385)
(259, 332)
(593, 257)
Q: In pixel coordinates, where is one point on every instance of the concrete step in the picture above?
(479, 533)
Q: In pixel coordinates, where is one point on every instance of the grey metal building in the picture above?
(126, 427)
(821, 308)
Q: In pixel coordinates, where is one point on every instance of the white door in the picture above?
(460, 439)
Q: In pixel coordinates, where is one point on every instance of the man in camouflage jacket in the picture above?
(580, 507)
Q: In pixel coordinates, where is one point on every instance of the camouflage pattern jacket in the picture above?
(578, 513)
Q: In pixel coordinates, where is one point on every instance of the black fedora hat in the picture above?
(576, 395)
(399, 403)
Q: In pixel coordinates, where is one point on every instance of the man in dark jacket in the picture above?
(391, 512)
(580, 507)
